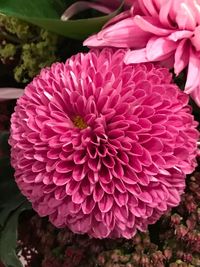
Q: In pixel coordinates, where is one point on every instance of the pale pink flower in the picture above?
(162, 30)
(103, 147)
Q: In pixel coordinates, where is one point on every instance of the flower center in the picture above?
(79, 122)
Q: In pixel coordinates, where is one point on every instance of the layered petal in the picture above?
(101, 147)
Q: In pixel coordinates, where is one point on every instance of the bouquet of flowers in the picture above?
(99, 133)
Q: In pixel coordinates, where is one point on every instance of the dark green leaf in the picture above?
(43, 14)
(8, 207)
(4, 147)
(8, 187)
(8, 239)
(10, 196)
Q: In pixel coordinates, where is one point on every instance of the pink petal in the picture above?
(100, 230)
(178, 35)
(81, 226)
(151, 25)
(154, 146)
(120, 199)
(164, 13)
(123, 15)
(149, 5)
(181, 56)
(196, 95)
(145, 197)
(109, 220)
(196, 38)
(193, 76)
(10, 93)
(98, 193)
(78, 197)
(124, 33)
(61, 178)
(135, 56)
(185, 17)
(121, 213)
(105, 204)
(174, 197)
(88, 205)
(159, 48)
(108, 188)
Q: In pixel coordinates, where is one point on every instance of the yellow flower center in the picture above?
(79, 122)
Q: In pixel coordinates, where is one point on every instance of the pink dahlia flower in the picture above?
(102, 147)
(159, 31)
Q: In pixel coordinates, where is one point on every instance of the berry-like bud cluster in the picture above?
(25, 48)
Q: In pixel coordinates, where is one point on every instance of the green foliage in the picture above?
(8, 238)
(35, 56)
(7, 51)
(12, 25)
(46, 14)
(12, 203)
(26, 48)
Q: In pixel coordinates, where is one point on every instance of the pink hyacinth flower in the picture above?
(102, 147)
(165, 31)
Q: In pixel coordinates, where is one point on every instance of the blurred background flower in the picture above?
(165, 32)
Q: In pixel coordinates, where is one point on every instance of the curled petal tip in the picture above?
(93, 41)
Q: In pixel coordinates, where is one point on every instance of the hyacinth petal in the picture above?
(193, 77)
(162, 46)
(150, 25)
(185, 18)
(110, 155)
(178, 35)
(124, 33)
(149, 5)
(164, 13)
(136, 56)
(195, 94)
(195, 38)
(181, 57)
(175, 21)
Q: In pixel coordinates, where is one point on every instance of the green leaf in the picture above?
(12, 203)
(10, 196)
(9, 207)
(8, 187)
(8, 239)
(4, 147)
(43, 13)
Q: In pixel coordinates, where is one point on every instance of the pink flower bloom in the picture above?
(102, 147)
(161, 31)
